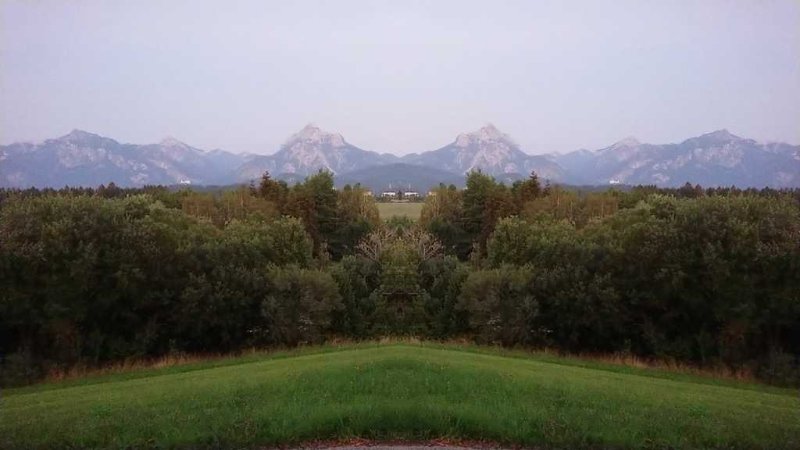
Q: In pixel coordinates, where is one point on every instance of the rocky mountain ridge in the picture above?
(488, 150)
(81, 158)
(716, 158)
(719, 158)
(309, 150)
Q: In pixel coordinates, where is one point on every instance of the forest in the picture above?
(706, 277)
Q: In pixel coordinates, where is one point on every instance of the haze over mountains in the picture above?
(86, 159)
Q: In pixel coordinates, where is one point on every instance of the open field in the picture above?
(410, 210)
(399, 392)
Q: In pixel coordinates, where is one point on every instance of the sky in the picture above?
(400, 76)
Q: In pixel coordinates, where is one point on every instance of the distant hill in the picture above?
(400, 176)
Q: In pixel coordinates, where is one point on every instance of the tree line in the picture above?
(705, 276)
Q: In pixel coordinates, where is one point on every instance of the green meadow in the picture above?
(409, 210)
(399, 391)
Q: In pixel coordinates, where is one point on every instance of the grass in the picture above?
(410, 210)
(399, 391)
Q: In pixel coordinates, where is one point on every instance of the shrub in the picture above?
(499, 305)
(298, 305)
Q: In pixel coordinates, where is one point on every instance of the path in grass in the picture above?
(400, 392)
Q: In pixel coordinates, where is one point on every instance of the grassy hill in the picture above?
(400, 391)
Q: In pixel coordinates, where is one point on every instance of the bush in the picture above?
(356, 278)
(441, 278)
(298, 305)
(499, 305)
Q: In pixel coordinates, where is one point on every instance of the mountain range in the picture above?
(85, 159)
(718, 158)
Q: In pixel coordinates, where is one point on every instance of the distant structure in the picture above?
(185, 182)
(389, 194)
(614, 181)
(411, 195)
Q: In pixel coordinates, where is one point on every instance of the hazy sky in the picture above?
(400, 76)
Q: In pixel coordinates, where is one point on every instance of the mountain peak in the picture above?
(84, 138)
(489, 130)
(310, 128)
(78, 134)
(170, 141)
(488, 133)
(722, 135)
(629, 141)
(311, 133)
(719, 137)
(491, 151)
